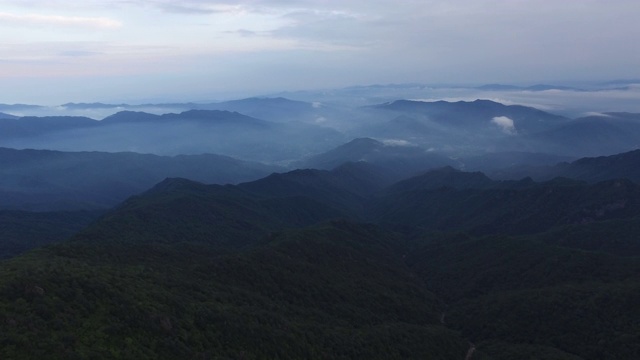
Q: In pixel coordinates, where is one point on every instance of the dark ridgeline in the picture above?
(46, 180)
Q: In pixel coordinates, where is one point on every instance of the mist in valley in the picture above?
(401, 137)
(276, 130)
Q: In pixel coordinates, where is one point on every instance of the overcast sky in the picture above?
(55, 51)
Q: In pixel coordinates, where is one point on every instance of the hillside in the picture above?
(276, 109)
(338, 290)
(508, 208)
(190, 132)
(514, 297)
(397, 160)
(55, 180)
(476, 114)
(23, 230)
(592, 136)
(330, 264)
(590, 169)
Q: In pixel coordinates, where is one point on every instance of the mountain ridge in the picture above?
(47, 180)
(245, 269)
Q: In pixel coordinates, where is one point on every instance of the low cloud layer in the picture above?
(595, 113)
(396, 142)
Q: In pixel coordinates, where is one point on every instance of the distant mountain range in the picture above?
(466, 127)
(19, 107)
(607, 134)
(476, 115)
(287, 132)
(537, 87)
(301, 100)
(54, 180)
(190, 132)
(378, 93)
(592, 169)
(277, 109)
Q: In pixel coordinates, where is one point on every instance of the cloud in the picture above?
(396, 142)
(193, 9)
(330, 27)
(246, 33)
(58, 20)
(506, 124)
(595, 113)
(196, 7)
(78, 53)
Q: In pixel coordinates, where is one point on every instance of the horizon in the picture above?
(569, 100)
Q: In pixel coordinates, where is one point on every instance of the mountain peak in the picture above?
(360, 142)
(128, 116)
(174, 184)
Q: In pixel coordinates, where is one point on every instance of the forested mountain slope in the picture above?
(308, 264)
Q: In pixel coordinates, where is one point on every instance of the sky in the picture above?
(134, 51)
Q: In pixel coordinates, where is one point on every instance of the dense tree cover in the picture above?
(616, 236)
(265, 270)
(510, 208)
(523, 291)
(334, 291)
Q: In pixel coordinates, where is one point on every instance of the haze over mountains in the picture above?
(53, 180)
(278, 130)
(344, 224)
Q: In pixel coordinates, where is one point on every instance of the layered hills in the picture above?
(56, 180)
(284, 131)
(190, 132)
(590, 169)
